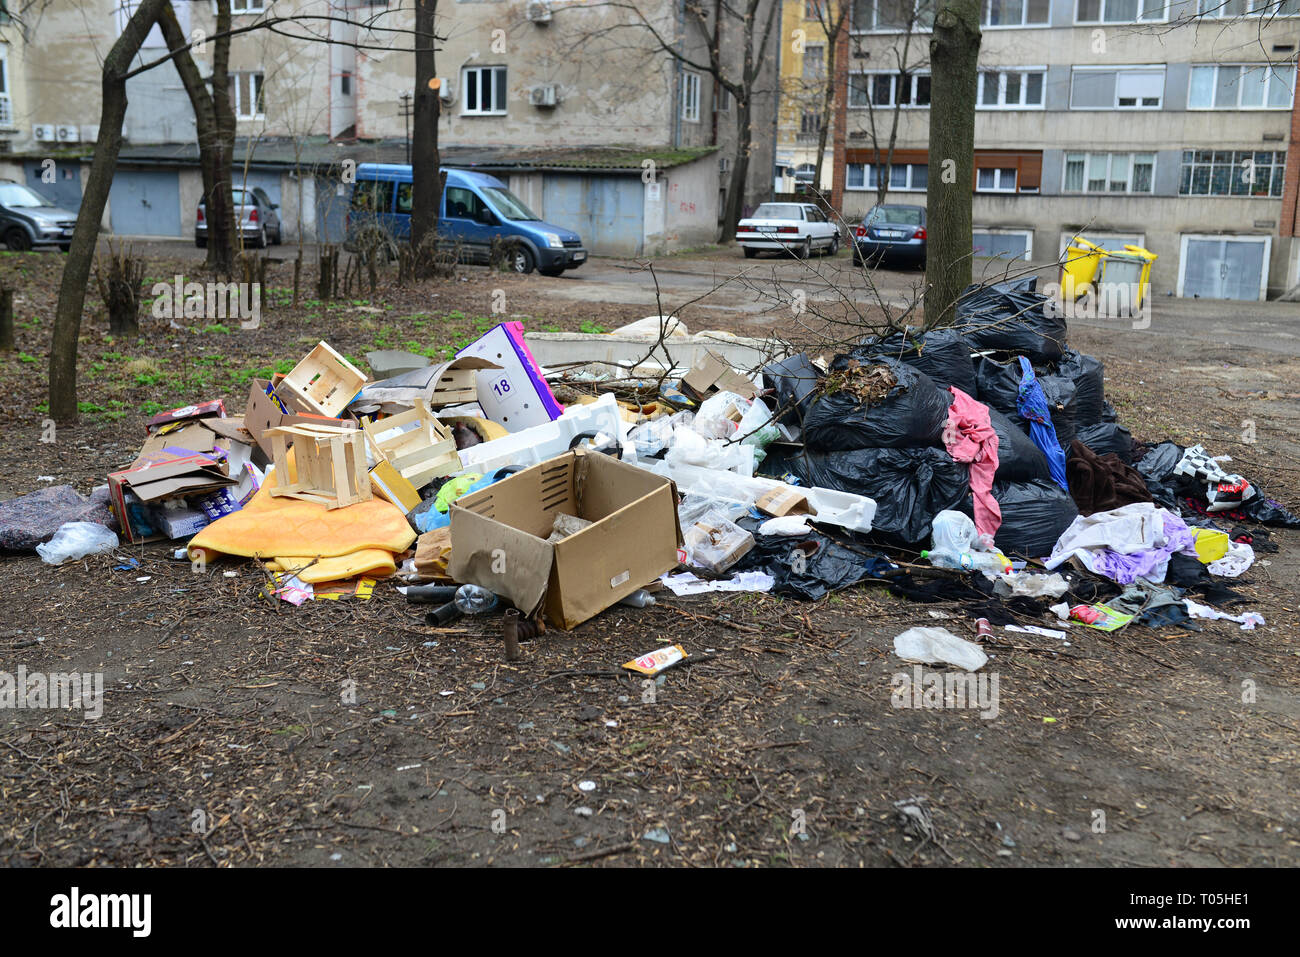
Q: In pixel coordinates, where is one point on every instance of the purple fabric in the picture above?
(1150, 563)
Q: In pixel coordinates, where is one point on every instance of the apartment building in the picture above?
(1162, 123)
(805, 56)
(566, 100)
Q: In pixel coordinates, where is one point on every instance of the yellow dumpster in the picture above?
(1079, 271)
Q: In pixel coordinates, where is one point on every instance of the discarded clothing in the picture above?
(31, 519)
(1124, 544)
(1247, 620)
(1100, 483)
(1032, 405)
(1236, 560)
(969, 437)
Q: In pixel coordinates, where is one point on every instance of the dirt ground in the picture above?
(228, 736)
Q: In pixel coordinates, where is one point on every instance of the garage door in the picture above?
(1002, 245)
(1217, 267)
(146, 203)
(65, 191)
(606, 211)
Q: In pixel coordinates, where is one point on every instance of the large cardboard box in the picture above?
(180, 477)
(498, 535)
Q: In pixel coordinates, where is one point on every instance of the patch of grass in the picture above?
(590, 327)
(217, 327)
(152, 407)
(24, 357)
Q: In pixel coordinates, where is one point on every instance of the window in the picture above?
(812, 9)
(1242, 87)
(345, 84)
(1119, 11)
(372, 196)
(246, 6)
(1016, 13)
(6, 105)
(721, 99)
(904, 177)
(404, 193)
(691, 97)
(1002, 243)
(1109, 173)
(464, 204)
(1131, 88)
(1227, 9)
(888, 89)
(1010, 89)
(250, 100)
(892, 16)
(814, 62)
(1232, 173)
(989, 179)
(485, 91)
(810, 123)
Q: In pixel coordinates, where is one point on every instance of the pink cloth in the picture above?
(969, 437)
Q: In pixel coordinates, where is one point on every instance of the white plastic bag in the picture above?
(76, 540)
(720, 415)
(932, 645)
(786, 525)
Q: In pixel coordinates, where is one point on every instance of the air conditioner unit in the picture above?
(44, 133)
(67, 133)
(542, 96)
(539, 11)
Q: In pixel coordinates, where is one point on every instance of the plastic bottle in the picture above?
(956, 544)
(639, 599)
(469, 600)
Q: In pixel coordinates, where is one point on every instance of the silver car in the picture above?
(258, 218)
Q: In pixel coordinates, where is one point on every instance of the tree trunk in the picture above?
(6, 319)
(426, 178)
(954, 51)
(76, 265)
(834, 27)
(735, 207)
(220, 159)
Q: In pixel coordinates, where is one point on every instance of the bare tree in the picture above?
(426, 164)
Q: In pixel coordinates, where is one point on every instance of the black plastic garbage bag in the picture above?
(1089, 378)
(1019, 459)
(822, 565)
(1006, 319)
(941, 354)
(1267, 511)
(795, 380)
(1108, 437)
(999, 388)
(913, 413)
(910, 486)
(1034, 514)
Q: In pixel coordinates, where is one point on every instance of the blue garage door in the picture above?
(332, 199)
(65, 190)
(146, 203)
(606, 211)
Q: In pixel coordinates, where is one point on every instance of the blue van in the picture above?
(476, 208)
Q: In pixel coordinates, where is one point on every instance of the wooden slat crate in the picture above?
(324, 381)
(330, 463)
(415, 443)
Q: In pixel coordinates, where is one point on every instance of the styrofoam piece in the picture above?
(559, 351)
(542, 442)
(516, 395)
(843, 509)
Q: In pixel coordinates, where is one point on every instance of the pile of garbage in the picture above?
(549, 477)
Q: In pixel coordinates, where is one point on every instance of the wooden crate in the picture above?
(330, 463)
(416, 444)
(324, 381)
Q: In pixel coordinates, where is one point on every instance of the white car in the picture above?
(796, 228)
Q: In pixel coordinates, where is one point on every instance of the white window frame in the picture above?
(1219, 237)
(986, 14)
(1154, 68)
(1216, 9)
(868, 178)
(1271, 73)
(1068, 237)
(499, 76)
(1002, 72)
(256, 90)
(1110, 163)
(690, 96)
(1027, 234)
(916, 28)
(1162, 18)
(912, 75)
(249, 7)
(997, 179)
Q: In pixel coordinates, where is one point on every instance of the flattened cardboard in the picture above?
(194, 435)
(200, 410)
(784, 501)
(499, 535)
(185, 476)
(714, 374)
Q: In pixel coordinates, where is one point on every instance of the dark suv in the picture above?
(28, 219)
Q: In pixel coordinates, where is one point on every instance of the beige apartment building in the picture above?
(1131, 121)
(564, 99)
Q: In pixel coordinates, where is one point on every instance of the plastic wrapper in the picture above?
(942, 354)
(719, 415)
(1005, 318)
(934, 645)
(651, 438)
(76, 540)
(1089, 378)
(1034, 514)
(756, 426)
(715, 543)
(691, 448)
(913, 413)
(565, 525)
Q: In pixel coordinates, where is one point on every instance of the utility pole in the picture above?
(406, 116)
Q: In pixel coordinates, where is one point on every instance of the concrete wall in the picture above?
(683, 216)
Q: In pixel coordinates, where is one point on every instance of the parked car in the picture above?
(477, 211)
(796, 228)
(28, 219)
(892, 231)
(258, 218)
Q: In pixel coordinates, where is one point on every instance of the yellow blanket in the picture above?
(342, 542)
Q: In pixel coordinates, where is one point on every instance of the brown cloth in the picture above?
(1102, 482)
